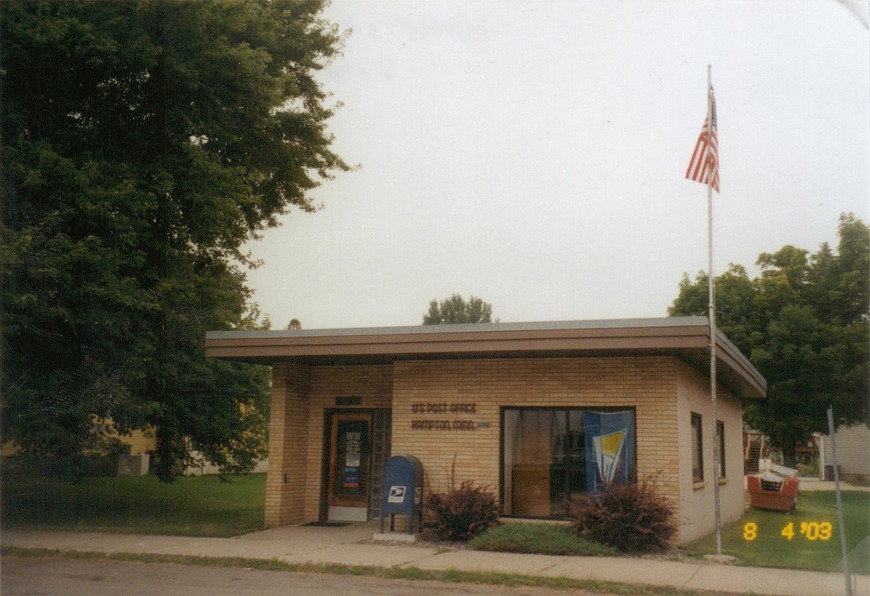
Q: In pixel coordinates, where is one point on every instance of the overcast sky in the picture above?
(533, 154)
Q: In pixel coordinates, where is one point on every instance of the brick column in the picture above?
(285, 479)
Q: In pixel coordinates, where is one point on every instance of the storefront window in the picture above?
(550, 455)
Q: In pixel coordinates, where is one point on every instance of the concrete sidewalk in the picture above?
(816, 484)
(349, 545)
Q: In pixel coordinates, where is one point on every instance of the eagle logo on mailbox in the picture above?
(397, 494)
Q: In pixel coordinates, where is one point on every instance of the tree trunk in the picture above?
(789, 454)
(165, 450)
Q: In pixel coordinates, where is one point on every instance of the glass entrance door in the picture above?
(349, 466)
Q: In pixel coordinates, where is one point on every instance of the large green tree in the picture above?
(804, 325)
(143, 144)
(455, 309)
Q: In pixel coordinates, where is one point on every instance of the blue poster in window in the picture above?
(609, 447)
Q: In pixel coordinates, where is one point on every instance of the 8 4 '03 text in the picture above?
(808, 530)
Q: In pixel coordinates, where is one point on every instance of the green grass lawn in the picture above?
(770, 548)
(205, 506)
(190, 506)
(543, 539)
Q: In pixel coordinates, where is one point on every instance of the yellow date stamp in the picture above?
(807, 530)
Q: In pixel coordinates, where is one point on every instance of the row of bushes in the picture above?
(628, 518)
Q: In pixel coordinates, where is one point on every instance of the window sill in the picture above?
(723, 481)
(696, 485)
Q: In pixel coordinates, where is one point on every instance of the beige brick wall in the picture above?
(287, 475)
(697, 513)
(647, 384)
(300, 397)
(663, 391)
(372, 384)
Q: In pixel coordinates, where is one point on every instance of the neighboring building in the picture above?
(141, 444)
(140, 441)
(138, 461)
(200, 466)
(536, 411)
(9, 448)
(853, 453)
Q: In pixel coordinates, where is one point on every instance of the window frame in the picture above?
(556, 408)
(697, 426)
(720, 438)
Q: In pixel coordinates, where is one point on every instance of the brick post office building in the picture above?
(537, 411)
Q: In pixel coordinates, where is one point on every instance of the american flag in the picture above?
(704, 166)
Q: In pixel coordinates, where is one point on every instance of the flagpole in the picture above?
(711, 301)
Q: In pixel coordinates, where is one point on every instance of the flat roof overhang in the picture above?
(686, 338)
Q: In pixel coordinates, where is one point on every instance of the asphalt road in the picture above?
(73, 577)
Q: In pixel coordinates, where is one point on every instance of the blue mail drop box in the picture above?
(402, 490)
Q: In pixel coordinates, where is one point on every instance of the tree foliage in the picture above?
(143, 144)
(456, 310)
(804, 325)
